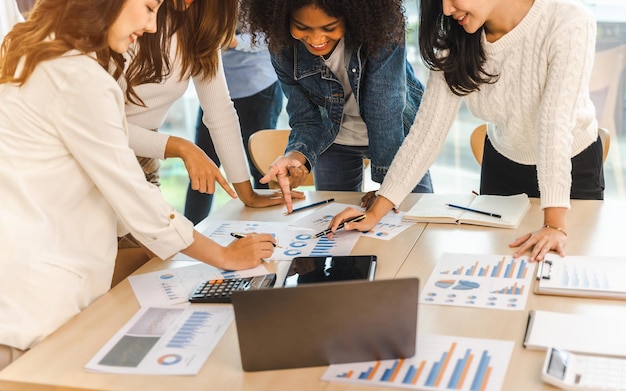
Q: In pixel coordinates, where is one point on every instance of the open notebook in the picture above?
(433, 208)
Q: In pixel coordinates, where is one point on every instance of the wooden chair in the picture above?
(477, 142)
(265, 146)
(604, 90)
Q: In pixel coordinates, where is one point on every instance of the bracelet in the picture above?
(557, 228)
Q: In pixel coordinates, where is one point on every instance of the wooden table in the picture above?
(58, 361)
(594, 229)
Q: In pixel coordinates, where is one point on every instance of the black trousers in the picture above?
(502, 176)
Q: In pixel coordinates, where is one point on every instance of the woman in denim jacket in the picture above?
(351, 92)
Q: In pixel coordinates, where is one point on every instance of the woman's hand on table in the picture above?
(551, 236)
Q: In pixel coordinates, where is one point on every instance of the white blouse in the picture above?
(70, 186)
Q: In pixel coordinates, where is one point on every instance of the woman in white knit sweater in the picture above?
(523, 66)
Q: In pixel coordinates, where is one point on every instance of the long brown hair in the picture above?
(55, 27)
(202, 29)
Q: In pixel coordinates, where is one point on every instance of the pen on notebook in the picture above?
(475, 211)
(312, 205)
(350, 220)
(241, 236)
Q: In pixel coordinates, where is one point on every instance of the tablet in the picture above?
(306, 270)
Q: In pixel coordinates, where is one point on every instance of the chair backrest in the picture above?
(477, 142)
(604, 85)
(265, 146)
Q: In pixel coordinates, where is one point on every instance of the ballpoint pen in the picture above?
(241, 236)
(475, 211)
(350, 220)
(312, 205)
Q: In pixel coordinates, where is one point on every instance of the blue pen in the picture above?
(475, 211)
(312, 205)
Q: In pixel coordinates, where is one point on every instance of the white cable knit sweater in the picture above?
(539, 111)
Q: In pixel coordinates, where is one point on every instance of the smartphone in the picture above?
(583, 372)
(307, 270)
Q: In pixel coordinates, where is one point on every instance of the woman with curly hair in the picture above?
(351, 92)
(523, 66)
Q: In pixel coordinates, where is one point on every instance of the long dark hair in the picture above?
(446, 46)
(202, 30)
(372, 23)
(82, 25)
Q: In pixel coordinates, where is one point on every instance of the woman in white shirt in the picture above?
(70, 183)
(523, 66)
(191, 34)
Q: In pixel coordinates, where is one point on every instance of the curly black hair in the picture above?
(373, 23)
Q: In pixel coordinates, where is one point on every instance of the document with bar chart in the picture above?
(584, 276)
(441, 363)
(164, 341)
(478, 280)
(292, 241)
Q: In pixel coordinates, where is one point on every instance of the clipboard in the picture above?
(582, 276)
(585, 333)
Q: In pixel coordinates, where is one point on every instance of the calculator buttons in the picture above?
(220, 291)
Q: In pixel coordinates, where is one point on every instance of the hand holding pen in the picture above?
(340, 226)
(241, 236)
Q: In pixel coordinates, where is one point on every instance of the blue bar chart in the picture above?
(441, 363)
(486, 281)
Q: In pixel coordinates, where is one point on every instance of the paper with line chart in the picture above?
(478, 280)
(441, 363)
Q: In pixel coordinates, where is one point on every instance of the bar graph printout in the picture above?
(164, 341)
(441, 363)
(478, 280)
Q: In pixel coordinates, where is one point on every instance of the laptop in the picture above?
(326, 323)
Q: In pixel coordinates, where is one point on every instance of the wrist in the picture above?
(555, 227)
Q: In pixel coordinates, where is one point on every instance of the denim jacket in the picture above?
(385, 88)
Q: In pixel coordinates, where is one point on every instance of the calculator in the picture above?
(220, 291)
(584, 372)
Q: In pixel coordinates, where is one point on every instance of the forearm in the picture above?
(555, 218)
(206, 250)
(147, 143)
(178, 147)
(381, 207)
